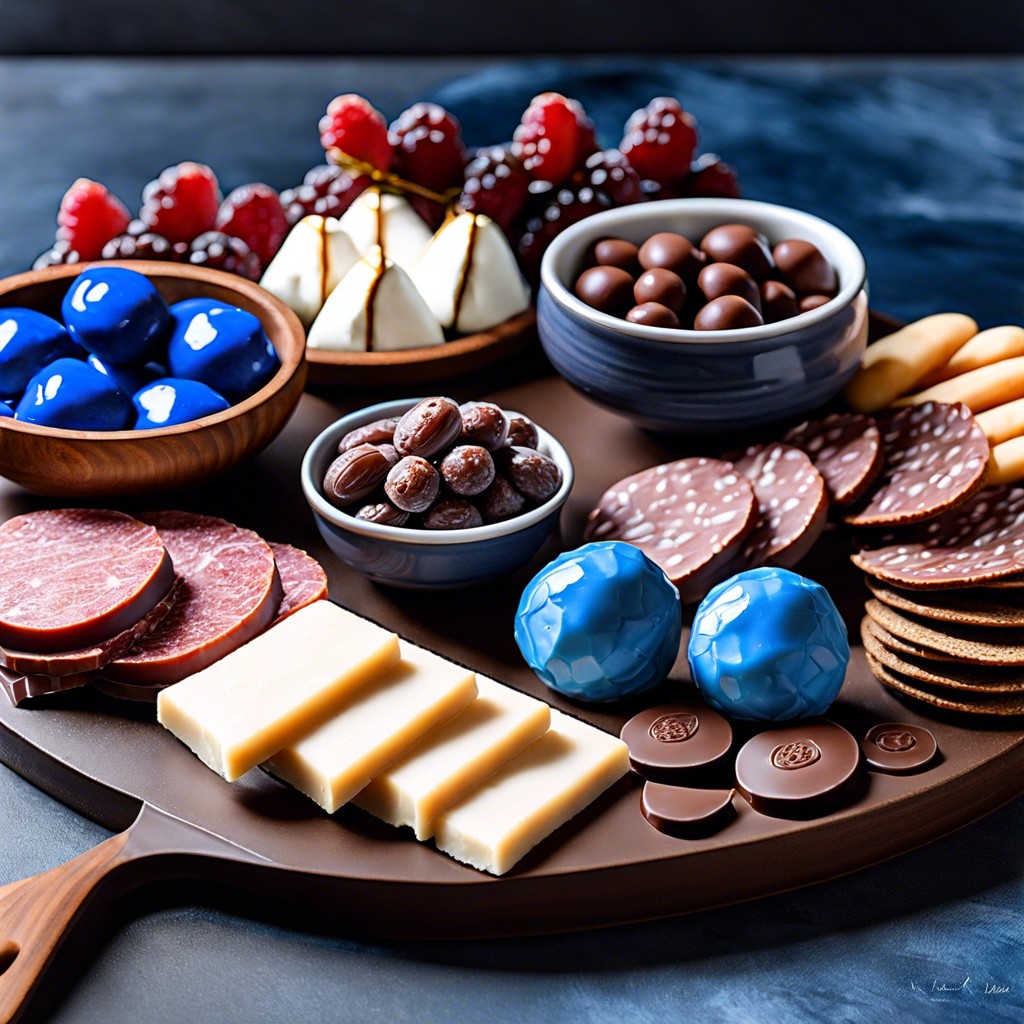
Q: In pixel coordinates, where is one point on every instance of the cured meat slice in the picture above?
(76, 577)
(846, 449)
(229, 592)
(689, 516)
(20, 686)
(302, 578)
(792, 507)
(86, 659)
(935, 459)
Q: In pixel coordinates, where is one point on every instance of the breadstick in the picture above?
(892, 366)
(1006, 463)
(980, 389)
(1003, 422)
(987, 347)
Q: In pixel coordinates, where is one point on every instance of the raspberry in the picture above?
(253, 213)
(182, 203)
(495, 185)
(553, 137)
(221, 252)
(146, 246)
(710, 176)
(610, 172)
(428, 147)
(565, 207)
(354, 127)
(89, 216)
(327, 190)
(60, 253)
(660, 139)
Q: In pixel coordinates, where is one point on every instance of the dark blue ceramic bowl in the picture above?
(702, 382)
(426, 559)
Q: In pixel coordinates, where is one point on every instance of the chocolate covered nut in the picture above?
(804, 268)
(616, 252)
(687, 813)
(378, 432)
(413, 484)
(467, 469)
(652, 314)
(740, 245)
(777, 302)
(531, 473)
(675, 742)
(452, 514)
(483, 423)
(662, 286)
(428, 427)
(899, 747)
(500, 501)
(718, 279)
(671, 252)
(606, 289)
(809, 302)
(383, 512)
(727, 313)
(356, 473)
(522, 433)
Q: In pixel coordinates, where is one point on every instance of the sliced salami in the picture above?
(792, 506)
(230, 592)
(20, 686)
(302, 578)
(689, 516)
(76, 577)
(979, 542)
(846, 449)
(935, 459)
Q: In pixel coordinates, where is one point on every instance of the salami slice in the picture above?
(846, 449)
(20, 686)
(75, 577)
(935, 459)
(230, 592)
(689, 516)
(302, 578)
(792, 507)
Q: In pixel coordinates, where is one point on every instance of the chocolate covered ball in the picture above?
(804, 268)
(740, 245)
(809, 302)
(607, 289)
(727, 313)
(777, 302)
(617, 252)
(670, 251)
(662, 286)
(718, 279)
(652, 314)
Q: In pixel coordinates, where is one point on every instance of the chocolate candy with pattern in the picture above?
(356, 473)
(428, 428)
(377, 432)
(676, 742)
(899, 747)
(687, 813)
(73, 396)
(29, 340)
(383, 512)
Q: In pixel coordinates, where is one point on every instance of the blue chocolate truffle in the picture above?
(116, 314)
(128, 378)
(600, 623)
(222, 346)
(72, 395)
(168, 401)
(29, 340)
(5, 410)
(768, 645)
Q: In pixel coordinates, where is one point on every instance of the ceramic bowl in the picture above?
(99, 464)
(426, 559)
(703, 382)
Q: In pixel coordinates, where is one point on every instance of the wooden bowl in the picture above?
(96, 464)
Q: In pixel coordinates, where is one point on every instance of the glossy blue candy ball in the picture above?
(220, 345)
(768, 645)
(128, 378)
(71, 394)
(29, 340)
(117, 314)
(169, 401)
(5, 410)
(600, 623)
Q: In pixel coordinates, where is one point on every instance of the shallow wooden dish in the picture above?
(415, 365)
(95, 464)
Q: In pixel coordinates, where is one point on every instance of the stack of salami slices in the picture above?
(131, 605)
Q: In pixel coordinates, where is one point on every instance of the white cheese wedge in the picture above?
(277, 688)
(333, 763)
(469, 276)
(384, 219)
(456, 758)
(375, 308)
(553, 779)
(313, 258)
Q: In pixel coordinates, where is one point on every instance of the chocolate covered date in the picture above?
(356, 473)
(522, 433)
(428, 427)
(531, 473)
(452, 514)
(378, 432)
(383, 512)
(467, 469)
(413, 484)
(483, 423)
(500, 501)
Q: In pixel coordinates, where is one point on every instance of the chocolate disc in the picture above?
(980, 541)
(800, 771)
(689, 516)
(687, 813)
(21, 686)
(935, 459)
(676, 740)
(898, 747)
(846, 449)
(969, 607)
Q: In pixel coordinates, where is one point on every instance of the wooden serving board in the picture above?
(111, 762)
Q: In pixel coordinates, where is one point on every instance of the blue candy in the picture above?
(5, 410)
(117, 314)
(169, 401)
(29, 340)
(769, 646)
(128, 378)
(222, 346)
(600, 623)
(70, 394)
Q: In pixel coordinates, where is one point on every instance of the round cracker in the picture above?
(936, 456)
(846, 448)
(899, 645)
(970, 607)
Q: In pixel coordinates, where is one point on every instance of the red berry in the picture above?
(357, 129)
(182, 203)
(253, 213)
(495, 185)
(327, 191)
(610, 172)
(138, 247)
(660, 140)
(428, 147)
(221, 252)
(553, 137)
(711, 177)
(89, 217)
